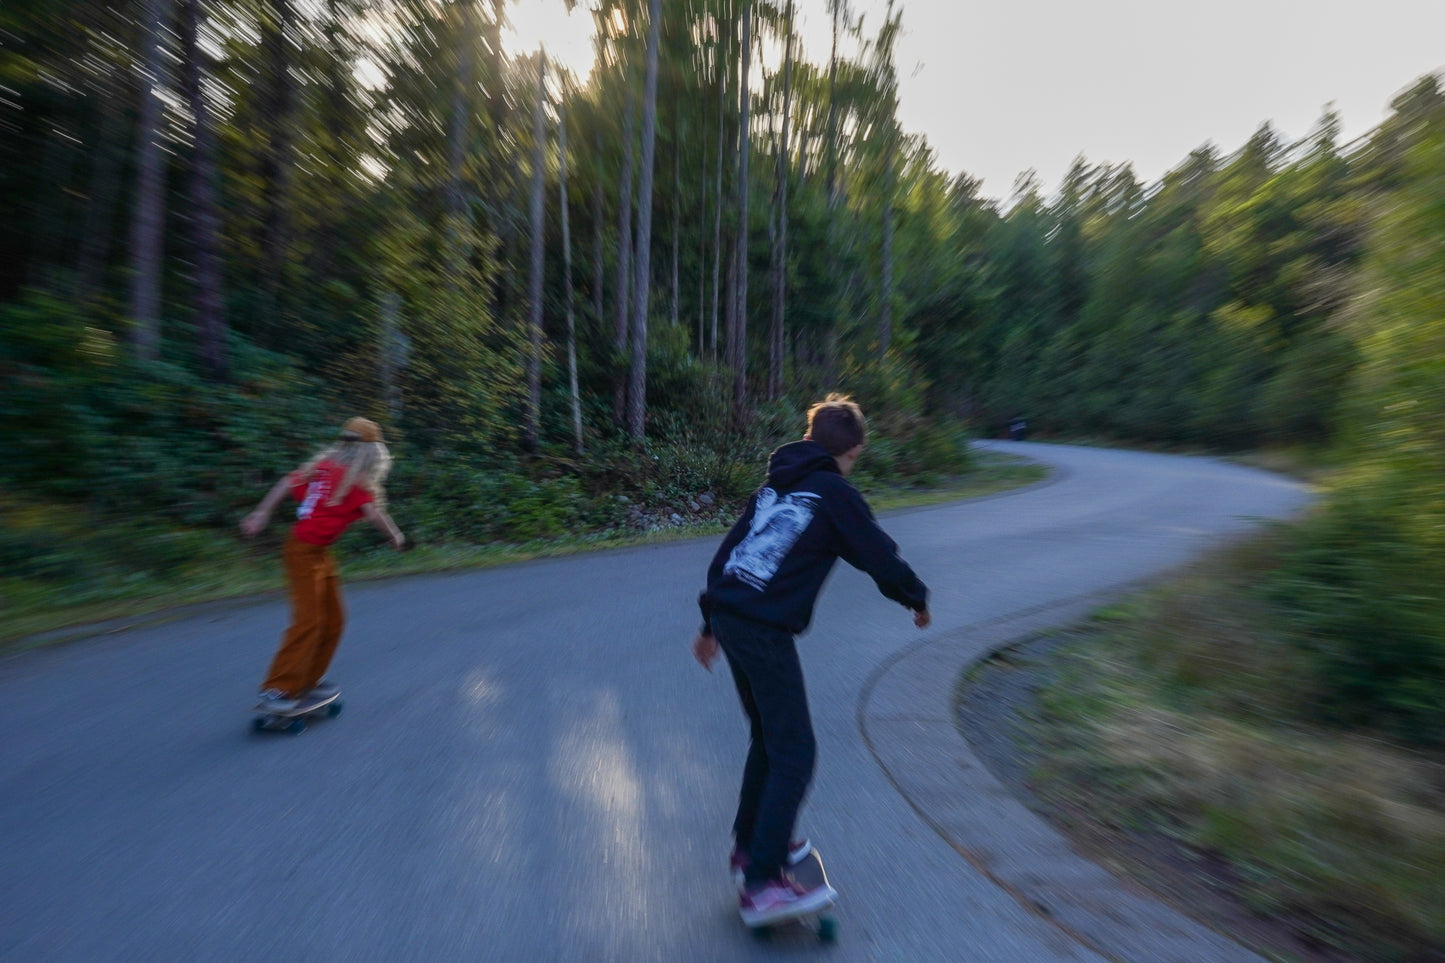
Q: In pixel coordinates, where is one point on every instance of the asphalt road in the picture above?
(530, 766)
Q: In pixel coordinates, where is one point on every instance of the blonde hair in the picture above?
(367, 464)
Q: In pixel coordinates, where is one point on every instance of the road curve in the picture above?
(530, 766)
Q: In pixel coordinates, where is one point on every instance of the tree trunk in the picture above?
(598, 239)
(205, 210)
(105, 174)
(730, 309)
(722, 88)
(567, 274)
(702, 251)
(780, 265)
(775, 278)
(774, 263)
(277, 166)
(637, 374)
(838, 9)
(624, 267)
(148, 216)
(738, 343)
(676, 226)
(533, 416)
(885, 321)
(48, 232)
(337, 84)
(457, 133)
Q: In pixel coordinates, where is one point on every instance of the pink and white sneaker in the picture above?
(798, 851)
(782, 899)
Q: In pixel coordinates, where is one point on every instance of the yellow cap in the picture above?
(361, 429)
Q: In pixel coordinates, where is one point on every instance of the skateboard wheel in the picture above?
(297, 726)
(258, 725)
(333, 710)
(827, 929)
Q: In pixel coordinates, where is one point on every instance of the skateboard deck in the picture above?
(294, 721)
(820, 922)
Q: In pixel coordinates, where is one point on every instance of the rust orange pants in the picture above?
(317, 619)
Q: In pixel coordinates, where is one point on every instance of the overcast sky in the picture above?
(1003, 86)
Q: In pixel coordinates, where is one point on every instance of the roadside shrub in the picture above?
(919, 451)
(684, 471)
(48, 356)
(84, 422)
(540, 508)
(1363, 598)
(36, 555)
(440, 496)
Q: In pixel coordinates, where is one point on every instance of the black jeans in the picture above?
(781, 751)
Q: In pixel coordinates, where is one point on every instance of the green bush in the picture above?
(36, 555)
(1364, 583)
(441, 496)
(1363, 598)
(82, 421)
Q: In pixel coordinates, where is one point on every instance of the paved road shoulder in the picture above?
(905, 714)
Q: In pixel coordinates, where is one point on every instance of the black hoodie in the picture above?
(772, 564)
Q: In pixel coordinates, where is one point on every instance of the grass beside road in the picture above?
(1168, 742)
(61, 573)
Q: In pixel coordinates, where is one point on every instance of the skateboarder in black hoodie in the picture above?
(760, 592)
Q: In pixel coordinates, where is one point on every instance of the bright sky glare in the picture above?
(1004, 86)
(566, 37)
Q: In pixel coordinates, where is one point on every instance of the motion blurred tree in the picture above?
(532, 412)
(375, 154)
(147, 217)
(205, 216)
(637, 370)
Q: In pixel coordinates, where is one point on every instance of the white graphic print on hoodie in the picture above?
(776, 525)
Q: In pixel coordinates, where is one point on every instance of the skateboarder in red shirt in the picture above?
(335, 488)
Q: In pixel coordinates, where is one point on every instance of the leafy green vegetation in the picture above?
(66, 567)
(233, 223)
(1187, 722)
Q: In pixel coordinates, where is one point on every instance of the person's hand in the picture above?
(921, 618)
(398, 541)
(252, 524)
(704, 649)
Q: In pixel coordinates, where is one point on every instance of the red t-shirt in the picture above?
(317, 521)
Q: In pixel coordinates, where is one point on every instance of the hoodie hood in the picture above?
(797, 460)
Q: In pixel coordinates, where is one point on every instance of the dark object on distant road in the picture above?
(1018, 429)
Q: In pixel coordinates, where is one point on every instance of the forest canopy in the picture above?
(231, 223)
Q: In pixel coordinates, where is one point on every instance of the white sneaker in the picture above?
(324, 689)
(276, 702)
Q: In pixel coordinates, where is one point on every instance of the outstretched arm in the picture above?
(868, 548)
(384, 524)
(253, 523)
